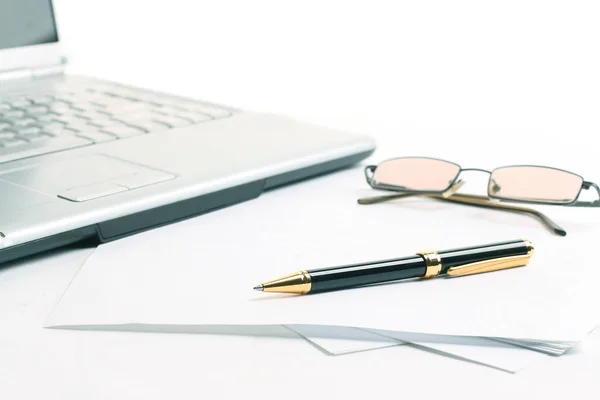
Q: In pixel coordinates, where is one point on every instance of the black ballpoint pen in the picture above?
(425, 264)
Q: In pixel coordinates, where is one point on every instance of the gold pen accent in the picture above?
(495, 264)
(432, 262)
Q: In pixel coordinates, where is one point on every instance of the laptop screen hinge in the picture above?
(46, 71)
(32, 73)
(16, 74)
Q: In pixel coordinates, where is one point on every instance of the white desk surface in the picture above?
(403, 72)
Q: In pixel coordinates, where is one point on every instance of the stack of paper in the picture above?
(197, 276)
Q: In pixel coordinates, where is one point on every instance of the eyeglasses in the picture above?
(439, 179)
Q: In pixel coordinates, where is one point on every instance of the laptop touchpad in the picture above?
(87, 177)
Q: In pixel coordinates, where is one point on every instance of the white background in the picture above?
(381, 65)
(422, 77)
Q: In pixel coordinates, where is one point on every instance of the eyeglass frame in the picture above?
(449, 195)
(575, 203)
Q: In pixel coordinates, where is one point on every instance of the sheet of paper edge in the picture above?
(284, 331)
(552, 348)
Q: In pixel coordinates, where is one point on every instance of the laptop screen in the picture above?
(26, 23)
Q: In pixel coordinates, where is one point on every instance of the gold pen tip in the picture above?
(259, 288)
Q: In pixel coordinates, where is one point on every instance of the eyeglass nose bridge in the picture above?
(495, 187)
(476, 169)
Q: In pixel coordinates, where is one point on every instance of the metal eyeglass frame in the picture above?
(449, 194)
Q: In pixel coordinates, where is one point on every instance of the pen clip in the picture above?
(495, 264)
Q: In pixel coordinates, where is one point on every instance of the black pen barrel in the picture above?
(349, 276)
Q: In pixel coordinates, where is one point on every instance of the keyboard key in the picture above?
(82, 126)
(97, 137)
(126, 108)
(137, 116)
(96, 116)
(98, 103)
(123, 131)
(21, 103)
(60, 105)
(149, 125)
(66, 113)
(7, 135)
(57, 129)
(104, 111)
(87, 107)
(23, 122)
(12, 142)
(28, 130)
(172, 107)
(46, 118)
(64, 98)
(69, 118)
(42, 99)
(33, 137)
(152, 101)
(82, 116)
(59, 108)
(168, 110)
(75, 109)
(115, 104)
(194, 117)
(13, 114)
(173, 122)
(36, 110)
(215, 112)
(4, 126)
(9, 121)
(24, 149)
(4, 107)
(105, 123)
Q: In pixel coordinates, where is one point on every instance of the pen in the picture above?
(424, 264)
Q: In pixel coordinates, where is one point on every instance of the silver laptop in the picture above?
(86, 159)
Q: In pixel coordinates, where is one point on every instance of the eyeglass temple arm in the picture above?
(399, 195)
(472, 200)
(596, 203)
(482, 201)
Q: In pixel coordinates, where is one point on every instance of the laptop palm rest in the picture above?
(16, 198)
(86, 178)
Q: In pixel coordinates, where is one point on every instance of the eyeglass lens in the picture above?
(531, 183)
(418, 174)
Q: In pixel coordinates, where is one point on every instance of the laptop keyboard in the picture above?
(70, 117)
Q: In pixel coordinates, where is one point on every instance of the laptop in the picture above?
(83, 159)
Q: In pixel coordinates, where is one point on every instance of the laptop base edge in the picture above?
(149, 219)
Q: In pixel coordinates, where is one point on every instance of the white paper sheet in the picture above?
(336, 341)
(485, 351)
(341, 341)
(201, 271)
